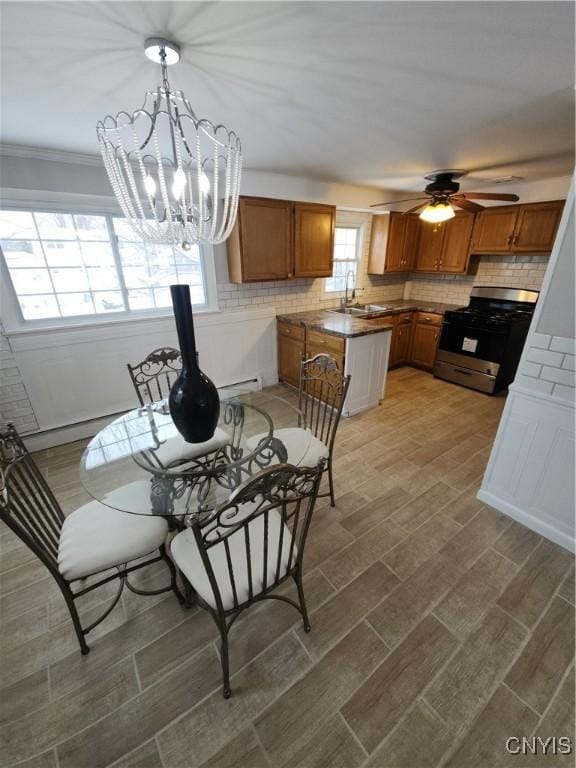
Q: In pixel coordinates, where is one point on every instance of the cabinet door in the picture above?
(378, 244)
(429, 247)
(536, 227)
(290, 354)
(395, 246)
(403, 339)
(410, 246)
(424, 342)
(313, 239)
(260, 248)
(494, 229)
(456, 245)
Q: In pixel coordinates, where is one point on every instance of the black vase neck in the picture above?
(185, 326)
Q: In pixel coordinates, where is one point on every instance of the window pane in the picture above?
(39, 307)
(91, 227)
(76, 304)
(132, 254)
(62, 253)
(124, 231)
(163, 298)
(97, 254)
(141, 299)
(69, 280)
(101, 278)
(136, 277)
(55, 226)
(22, 253)
(109, 301)
(160, 276)
(31, 281)
(17, 224)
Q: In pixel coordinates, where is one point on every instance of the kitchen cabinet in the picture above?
(280, 239)
(392, 243)
(425, 337)
(291, 352)
(528, 228)
(401, 340)
(445, 247)
(318, 343)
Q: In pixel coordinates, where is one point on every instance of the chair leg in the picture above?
(331, 483)
(225, 661)
(173, 575)
(84, 647)
(301, 599)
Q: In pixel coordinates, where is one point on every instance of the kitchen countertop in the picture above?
(348, 326)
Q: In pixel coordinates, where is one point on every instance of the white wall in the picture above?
(530, 475)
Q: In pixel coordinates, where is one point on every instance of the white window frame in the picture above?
(359, 227)
(11, 313)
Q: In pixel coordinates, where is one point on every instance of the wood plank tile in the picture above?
(45, 727)
(243, 751)
(325, 541)
(146, 756)
(546, 657)
(383, 699)
(484, 745)
(332, 746)
(517, 542)
(567, 588)
(530, 591)
(23, 628)
(22, 575)
(144, 715)
(475, 537)
(351, 561)
(418, 742)
(558, 721)
(33, 596)
(568, 687)
(346, 608)
(45, 760)
(373, 513)
(27, 695)
(476, 670)
(473, 595)
(199, 735)
(412, 515)
(413, 551)
(464, 507)
(294, 717)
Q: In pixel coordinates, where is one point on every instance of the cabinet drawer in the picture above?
(331, 344)
(293, 331)
(319, 349)
(404, 317)
(429, 318)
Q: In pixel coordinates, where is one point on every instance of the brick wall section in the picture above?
(15, 405)
(548, 366)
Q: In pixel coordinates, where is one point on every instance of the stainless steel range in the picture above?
(481, 344)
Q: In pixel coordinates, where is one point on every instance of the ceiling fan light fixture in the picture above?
(437, 212)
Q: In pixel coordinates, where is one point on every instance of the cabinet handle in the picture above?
(289, 274)
(509, 240)
(514, 239)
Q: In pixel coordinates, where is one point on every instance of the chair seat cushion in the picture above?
(96, 537)
(177, 449)
(304, 449)
(187, 557)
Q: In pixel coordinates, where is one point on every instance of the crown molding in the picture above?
(53, 155)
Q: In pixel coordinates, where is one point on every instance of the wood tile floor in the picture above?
(440, 627)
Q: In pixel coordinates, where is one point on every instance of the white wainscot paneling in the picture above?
(530, 475)
(367, 364)
(73, 375)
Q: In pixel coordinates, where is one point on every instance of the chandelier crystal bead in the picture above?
(176, 177)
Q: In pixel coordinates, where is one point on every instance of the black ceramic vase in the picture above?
(194, 402)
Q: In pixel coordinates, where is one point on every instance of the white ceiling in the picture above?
(373, 93)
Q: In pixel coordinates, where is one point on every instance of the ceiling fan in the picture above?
(443, 192)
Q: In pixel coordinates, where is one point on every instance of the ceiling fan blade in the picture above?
(488, 196)
(416, 207)
(394, 202)
(466, 205)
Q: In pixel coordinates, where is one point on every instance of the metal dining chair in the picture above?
(238, 554)
(153, 377)
(323, 389)
(91, 541)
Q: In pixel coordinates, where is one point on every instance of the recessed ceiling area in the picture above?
(375, 93)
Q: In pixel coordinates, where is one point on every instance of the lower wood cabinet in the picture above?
(291, 352)
(401, 340)
(425, 338)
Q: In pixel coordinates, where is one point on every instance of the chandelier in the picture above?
(176, 177)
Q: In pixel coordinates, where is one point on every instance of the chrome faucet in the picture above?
(345, 300)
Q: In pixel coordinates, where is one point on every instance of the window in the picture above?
(346, 258)
(65, 265)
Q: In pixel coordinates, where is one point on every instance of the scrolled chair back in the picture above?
(27, 505)
(256, 540)
(154, 376)
(323, 389)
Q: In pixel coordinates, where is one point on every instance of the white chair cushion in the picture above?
(304, 449)
(177, 449)
(95, 537)
(187, 557)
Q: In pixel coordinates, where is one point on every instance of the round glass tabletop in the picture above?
(141, 464)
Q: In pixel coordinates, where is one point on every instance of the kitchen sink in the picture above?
(357, 311)
(363, 310)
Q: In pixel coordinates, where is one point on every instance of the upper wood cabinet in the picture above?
(528, 228)
(445, 247)
(313, 240)
(393, 243)
(280, 239)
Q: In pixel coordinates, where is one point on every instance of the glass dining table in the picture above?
(140, 464)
